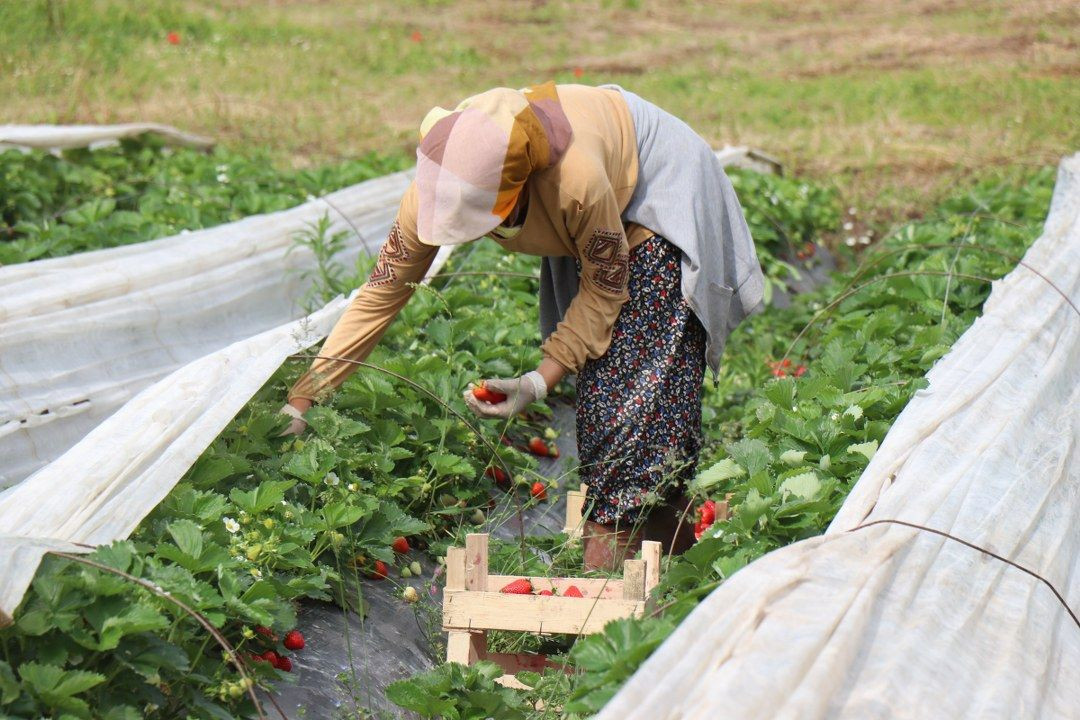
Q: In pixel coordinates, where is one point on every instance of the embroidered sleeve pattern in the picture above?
(607, 251)
(393, 251)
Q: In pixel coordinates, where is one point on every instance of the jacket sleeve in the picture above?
(403, 259)
(585, 331)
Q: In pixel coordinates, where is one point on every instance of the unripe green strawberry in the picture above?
(406, 573)
(414, 566)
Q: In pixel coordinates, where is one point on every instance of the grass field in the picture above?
(894, 102)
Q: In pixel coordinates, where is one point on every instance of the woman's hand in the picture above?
(295, 409)
(519, 393)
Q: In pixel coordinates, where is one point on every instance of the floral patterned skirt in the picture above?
(639, 405)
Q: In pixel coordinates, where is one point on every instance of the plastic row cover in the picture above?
(894, 622)
(47, 137)
(81, 335)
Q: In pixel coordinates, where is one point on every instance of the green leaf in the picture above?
(751, 454)
(268, 494)
(450, 464)
(55, 681)
(336, 515)
(332, 425)
(725, 469)
(854, 411)
(805, 485)
(792, 457)
(866, 449)
(9, 685)
(210, 470)
(187, 536)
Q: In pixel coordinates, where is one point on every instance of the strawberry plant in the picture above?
(79, 199)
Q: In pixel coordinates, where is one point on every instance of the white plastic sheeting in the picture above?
(49, 137)
(100, 490)
(81, 335)
(894, 622)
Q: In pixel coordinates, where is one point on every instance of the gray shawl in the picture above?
(684, 196)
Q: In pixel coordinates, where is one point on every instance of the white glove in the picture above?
(519, 393)
(297, 425)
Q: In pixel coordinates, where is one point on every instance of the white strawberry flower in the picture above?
(332, 479)
(231, 525)
(353, 487)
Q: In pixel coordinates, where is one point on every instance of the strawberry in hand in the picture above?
(482, 393)
(505, 398)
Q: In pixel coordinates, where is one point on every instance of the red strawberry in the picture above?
(416, 36)
(578, 72)
(266, 632)
(284, 663)
(537, 446)
(481, 393)
(173, 38)
(707, 511)
(520, 586)
(699, 530)
(271, 657)
(545, 592)
(786, 363)
(294, 640)
(498, 475)
(799, 371)
(380, 571)
(538, 490)
(400, 545)
(572, 591)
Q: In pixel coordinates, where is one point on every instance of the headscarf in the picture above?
(473, 161)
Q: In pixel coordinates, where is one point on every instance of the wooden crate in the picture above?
(473, 605)
(575, 512)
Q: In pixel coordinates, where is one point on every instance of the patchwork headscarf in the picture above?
(473, 160)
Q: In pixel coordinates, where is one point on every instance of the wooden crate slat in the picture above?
(466, 647)
(634, 580)
(476, 561)
(464, 610)
(455, 568)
